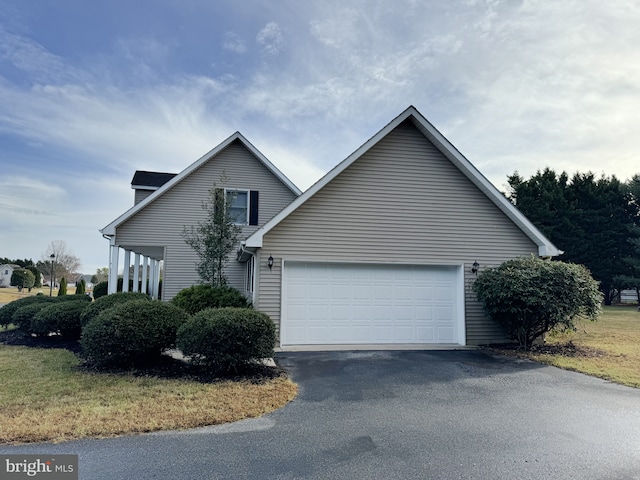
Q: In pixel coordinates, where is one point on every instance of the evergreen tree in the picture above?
(22, 279)
(36, 274)
(594, 220)
(63, 287)
(81, 287)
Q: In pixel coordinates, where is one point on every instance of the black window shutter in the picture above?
(253, 207)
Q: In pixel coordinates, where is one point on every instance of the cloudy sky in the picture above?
(91, 91)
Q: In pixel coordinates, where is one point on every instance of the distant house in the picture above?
(384, 249)
(629, 296)
(6, 271)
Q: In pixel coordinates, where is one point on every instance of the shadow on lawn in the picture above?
(568, 349)
(166, 367)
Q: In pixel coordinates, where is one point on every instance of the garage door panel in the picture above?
(326, 303)
(425, 334)
(383, 291)
(318, 312)
(361, 292)
(444, 293)
(445, 334)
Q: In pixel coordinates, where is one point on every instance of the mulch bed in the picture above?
(166, 367)
(568, 349)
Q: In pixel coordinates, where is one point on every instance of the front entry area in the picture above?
(359, 304)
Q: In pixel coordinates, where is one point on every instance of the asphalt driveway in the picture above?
(387, 415)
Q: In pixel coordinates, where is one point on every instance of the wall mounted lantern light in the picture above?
(270, 262)
(475, 267)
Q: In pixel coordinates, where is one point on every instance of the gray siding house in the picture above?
(380, 251)
(151, 231)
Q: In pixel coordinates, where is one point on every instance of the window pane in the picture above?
(239, 206)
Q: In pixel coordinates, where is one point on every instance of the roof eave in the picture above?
(111, 227)
(447, 149)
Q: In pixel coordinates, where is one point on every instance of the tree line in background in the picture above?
(63, 265)
(594, 220)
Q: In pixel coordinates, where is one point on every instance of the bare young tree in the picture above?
(214, 238)
(64, 262)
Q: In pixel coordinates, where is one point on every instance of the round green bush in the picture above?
(103, 303)
(100, 290)
(23, 316)
(200, 297)
(6, 312)
(72, 298)
(131, 334)
(59, 317)
(227, 339)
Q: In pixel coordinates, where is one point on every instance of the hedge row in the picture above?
(129, 329)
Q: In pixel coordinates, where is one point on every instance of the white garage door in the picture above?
(333, 303)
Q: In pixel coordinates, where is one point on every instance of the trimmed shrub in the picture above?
(94, 309)
(528, 297)
(227, 339)
(72, 298)
(200, 297)
(23, 316)
(131, 334)
(6, 312)
(100, 290)
(60, 317)
(81, 287)
(63, 287)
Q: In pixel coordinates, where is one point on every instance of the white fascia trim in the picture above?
(143, 187)
(111, 228)
(545, 247)
(465, 166)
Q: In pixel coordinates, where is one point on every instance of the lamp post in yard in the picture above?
(53, 259)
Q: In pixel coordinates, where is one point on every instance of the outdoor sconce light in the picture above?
(475, 267)
(270, 262)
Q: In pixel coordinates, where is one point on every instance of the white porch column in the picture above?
(125, 271)
(136, 272)
(145, 261)
(114, 253)
(152, 277)
(156, 280)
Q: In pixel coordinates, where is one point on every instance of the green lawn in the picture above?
(608, 348)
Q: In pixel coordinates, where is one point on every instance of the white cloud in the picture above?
(514, 85)
(234, 43)
(271, 38)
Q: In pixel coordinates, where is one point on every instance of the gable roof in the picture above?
(545, 247)
(12, 266)
(144, 180)
(111, 228)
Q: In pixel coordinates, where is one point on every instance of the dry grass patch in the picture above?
(8, 295)
(44, 396)
(608, 348)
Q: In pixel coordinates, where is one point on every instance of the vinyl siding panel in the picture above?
(140, 195)
(401, 202)
(161, 222)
